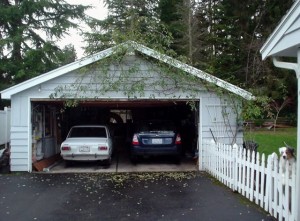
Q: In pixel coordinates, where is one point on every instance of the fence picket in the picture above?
(235, 167)
(275, 190)
(252, 173)
(257, 179)
(261, 180)
(285, 189)
(292, 215)
(244, 176)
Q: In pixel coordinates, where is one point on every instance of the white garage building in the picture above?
(119, 85)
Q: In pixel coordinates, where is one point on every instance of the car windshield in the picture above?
(88, 132)
(156, 126)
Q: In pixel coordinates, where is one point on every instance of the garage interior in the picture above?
(51, 122)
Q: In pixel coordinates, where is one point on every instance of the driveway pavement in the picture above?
(121, 196)
(122, 164)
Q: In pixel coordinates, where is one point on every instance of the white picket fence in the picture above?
(264, 182)
(5, 126)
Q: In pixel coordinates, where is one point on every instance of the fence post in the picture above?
(268, 184)
(235, 166)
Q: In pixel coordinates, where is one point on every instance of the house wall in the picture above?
(220, 120)
(19, 156)
(94, 82)
(210, 104)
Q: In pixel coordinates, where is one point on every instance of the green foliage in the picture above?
(29, 31)
(118, 74)
(129, 20)
(172, 14)
(257, 109)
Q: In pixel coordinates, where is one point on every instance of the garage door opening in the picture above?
(51, 123)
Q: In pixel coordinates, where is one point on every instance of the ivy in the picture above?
(118, 74)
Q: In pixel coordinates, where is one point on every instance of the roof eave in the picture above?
(7, 93)
(278, 33)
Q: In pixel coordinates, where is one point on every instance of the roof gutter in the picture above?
(288, 65)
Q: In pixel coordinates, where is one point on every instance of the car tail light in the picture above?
(102, 148)
(135, 140)
(66, 148)
(178, 139)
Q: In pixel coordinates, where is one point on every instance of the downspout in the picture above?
(287, 65)
(296, 68)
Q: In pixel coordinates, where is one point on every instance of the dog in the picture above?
(287, 154)
(287, 159)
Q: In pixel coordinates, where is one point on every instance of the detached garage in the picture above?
(119, 87)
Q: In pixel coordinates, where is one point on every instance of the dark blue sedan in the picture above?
(155, 138)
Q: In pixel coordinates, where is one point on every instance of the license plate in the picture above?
(84, 149)
(157, 141)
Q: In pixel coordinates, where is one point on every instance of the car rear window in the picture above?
(156, 126)
(88, 132)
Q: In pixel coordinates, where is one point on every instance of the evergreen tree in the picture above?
(180, 19)
(234, 34)
(135, 20)
(171, 14)
(29, 31)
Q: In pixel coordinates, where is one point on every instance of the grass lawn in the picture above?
(269, 141)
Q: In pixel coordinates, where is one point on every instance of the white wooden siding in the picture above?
(19, 111)
(217, 126)
(19, 148)
(146, 73)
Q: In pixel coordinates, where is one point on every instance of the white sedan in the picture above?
(87, 143)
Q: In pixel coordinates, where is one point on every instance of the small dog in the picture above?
(287, 159)
(287, 153)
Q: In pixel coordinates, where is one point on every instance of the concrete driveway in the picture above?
(121, 196)
(122, 164)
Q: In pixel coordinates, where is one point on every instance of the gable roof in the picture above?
(285, 40)
(6, 94)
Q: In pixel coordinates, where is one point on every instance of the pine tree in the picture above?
(135, 20)
(29, 31)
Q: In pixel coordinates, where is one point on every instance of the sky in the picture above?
(98, 11)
